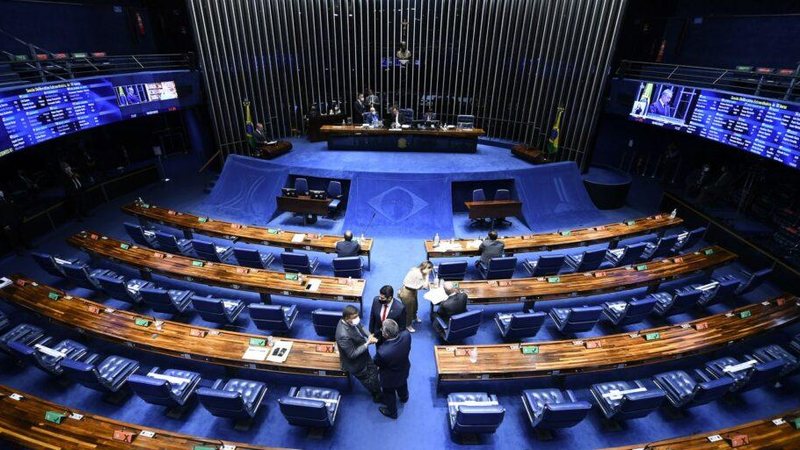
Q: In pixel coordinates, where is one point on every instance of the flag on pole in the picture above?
(248, 125)
(552, 139)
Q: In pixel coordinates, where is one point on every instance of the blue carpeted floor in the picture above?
(422, 422)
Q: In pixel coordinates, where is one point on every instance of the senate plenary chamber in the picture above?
(400, 224)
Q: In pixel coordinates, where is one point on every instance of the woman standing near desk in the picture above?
(418, 277)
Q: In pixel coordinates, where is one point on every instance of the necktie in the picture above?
(385, 312)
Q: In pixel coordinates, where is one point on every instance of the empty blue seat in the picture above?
(301, 186)
(459, 327)
(776, 352)
(499, 268)
(335, 195)
(169, 243)
(48, 355)
(549, 264)
(235, 399)
(503, 194)
(217, 310)
(278, 319)
(109, 376)
(209, 251)
(576, 320)
(689, 239)
(625, 313)
(451, 270)
(679, 301)
(325, 322)
(683, 391)
(662, 247)
(716, 291)
(474, 413)
(52, 264)
(624, 400)
(309, 406)
(23, 333)
(586, 261)
(519, 324)
(298, 262)
(625, 256)
(172, 388)
(140, 235)
(3, 320)
(795, 344)
(348, 267)
(80, 275)
(169, 301)
(746, 375)
(478, 195)
(120, 289)
(250, 257)
(552, 408)
(748, 280)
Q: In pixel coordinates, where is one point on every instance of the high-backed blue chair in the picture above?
(625, 256)
(48, 355)
(576, 320)
(679, 301)
(301, 186)
(4, 321)
(689, 239)
(309, 406)
(79, 275)
(347, 267)
(335, 195)
(250, 257)
(325, 322)
(548, 264)
(51, 264)
(776, 352)
(586, 261)
(141, 236)
(169, 301)
(217, 310)
(478, 195)
(748, 280)
(172, 388)
(503, 194)
(519, 324)
(120, 289)
(683, 391)
(550, 409)
(235, 399)
(451, 270)
(662, 247)
(459, 327)
(795, 344)
(625, 313)
(299, 262)
(109, 376)
(716, 291)
(278, 319)
(169, 243)
(499, 268)
(625, 400)
(23, 333)
(474, 413)
(209, 251)
(745, 378)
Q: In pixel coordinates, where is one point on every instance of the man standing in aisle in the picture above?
(353, 343)
(392, 360)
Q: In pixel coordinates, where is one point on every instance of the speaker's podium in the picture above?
(271, 149)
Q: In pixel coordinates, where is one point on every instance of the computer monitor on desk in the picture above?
(288, 192)
(426, 124)
(319, 195)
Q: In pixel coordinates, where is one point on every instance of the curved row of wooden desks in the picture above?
(23, 422)
(781, 432)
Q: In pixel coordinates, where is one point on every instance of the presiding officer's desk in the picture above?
(303, 204)
(23, 422)
(612, 232)
(265, 282)
(616, 351)
(494, 209)
(355, 137)
(175, 339)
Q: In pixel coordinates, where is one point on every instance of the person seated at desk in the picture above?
(429, 115)
(385, 306)
(347, 247)
(490, 248)
(259, 134)
(455, 303)
(372, 118)
(395, 117)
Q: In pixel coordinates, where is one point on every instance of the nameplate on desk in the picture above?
(202, 219)
(594, 344)
(652, 336)
(779, 301)
(94, 237)
(204, 447)
(461, 352)
(599, 228)
(714, 438)
(630, 223)
(198, 263)
(599, 274)
(76, 416)
(197, 333)
(236, 226)
(553, 279)
(677, 260)
(123, 435)
(94, 309)
(22, 283)
(272, 231)
(739, 440)
(701, 326)
(147, 433)
(242, 270)
(53, 296)
(291, 276)
(54, 416)
(565, 233)
(171, 212)
(796, 423)
(324, 348)
(142, 322)
(745, 314)
(159, 255)
(258, 342)
(124, 246)
(708, 251)
(641, 267)
(529, 349)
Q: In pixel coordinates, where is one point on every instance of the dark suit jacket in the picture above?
(491, 249)
(353, 354)
(392, 360)
(259, 136)
(69, 185)
(347, 248)
(358, 112)
(455, 304)
(657, 108)
(397, 313)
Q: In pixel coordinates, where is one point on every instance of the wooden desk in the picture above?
(763, 434)
(494, 209)
(354, 137)
(265, 282)
(569, 357)
(652, 273)
(561, 239)
(22, 422)
(303, 204)
(174, 339)
(237, 232)
(316, 124)
(269, 151)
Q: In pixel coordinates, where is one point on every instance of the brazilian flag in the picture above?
(248, 125)
(552, 139)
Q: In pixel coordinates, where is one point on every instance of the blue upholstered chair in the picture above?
(748, 280)
(689, 239)
(474, 413)
(169, 243)
(549, 409)
(625, 313)
(519, 324)
(109, 376)
(451, 270)
(586, 261)
(172, 388)
(478, 195)
(209, 251)
(23, 333)
(217, 310)
(52, 264)
(716, 291)
(548, 264)
(745, 377)
(4, 321)
(683, 391)
(625, 256)
(499, 268)
(335, 195)
(235, 399)
(301, 186)
(347, 267)
(502, 194)
(662, 247)
(250, 257)
(299, 262)
(459, 327)
(169, 301)
(309, 406)
(795, 344)
(776, 352)
(625, 400)
(679, 301)
(120, 289)
(576, 320)
(48, 355)
(274, 318)
(79, 275)
(325, 322)
(145, 237)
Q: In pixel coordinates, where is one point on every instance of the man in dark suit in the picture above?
(347, 247)
(455, 303)
(259, 134)
(394, 365)
(353, 343)
(74, 192)
(384, 307)
(490, 248)
(359, 108)
(661, 106)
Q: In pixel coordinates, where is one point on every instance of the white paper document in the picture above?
(280, 351)
(256, 353)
